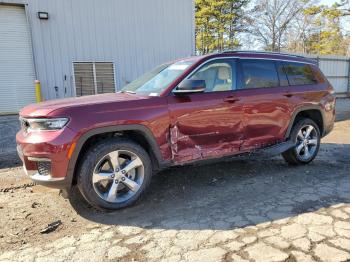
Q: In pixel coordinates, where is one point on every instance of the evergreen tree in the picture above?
(217, 24)
(323, 34)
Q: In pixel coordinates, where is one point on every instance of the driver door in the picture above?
(208, 124)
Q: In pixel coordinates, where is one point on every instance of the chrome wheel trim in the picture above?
(306, 143)
(118, 176)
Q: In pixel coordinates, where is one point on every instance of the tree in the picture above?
(347, 44)
(343, 6)
(322, 34)
(270, 20)
(330, 38)
(217, 24)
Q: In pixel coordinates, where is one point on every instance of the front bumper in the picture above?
(48, 180)
(49, 149)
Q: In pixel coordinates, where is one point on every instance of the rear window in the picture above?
(299, 74)
(259, 73)
(319, 75)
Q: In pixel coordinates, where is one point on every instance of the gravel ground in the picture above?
(235, 211)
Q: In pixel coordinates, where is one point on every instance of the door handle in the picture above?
(231, 99)
(288, 94)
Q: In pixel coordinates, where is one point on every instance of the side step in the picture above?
(262, 153)
(269, 151)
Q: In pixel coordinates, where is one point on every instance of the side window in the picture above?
(259, 73)
(282, 74)
(319, 76)
(299, 74)
(218, 76)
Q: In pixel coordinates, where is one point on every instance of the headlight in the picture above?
(46, 123)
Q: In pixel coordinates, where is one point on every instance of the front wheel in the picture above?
(114, 174)
(306, 136)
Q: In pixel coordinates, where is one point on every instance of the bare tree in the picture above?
(343, 6)
(269, 21)
(299, 33)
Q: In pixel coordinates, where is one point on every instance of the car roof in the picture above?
(263, 55)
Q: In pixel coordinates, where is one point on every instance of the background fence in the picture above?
(337, 71)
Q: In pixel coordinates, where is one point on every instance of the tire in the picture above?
(103, 177)
(298, 154)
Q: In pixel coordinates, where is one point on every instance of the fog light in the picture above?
(44, 168)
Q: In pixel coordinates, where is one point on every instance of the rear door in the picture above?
(209, 124)
(304, 87)
(264, 92)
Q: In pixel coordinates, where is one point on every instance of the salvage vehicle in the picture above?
(211, 107)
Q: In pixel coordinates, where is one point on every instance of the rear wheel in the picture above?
(306, 136)
(114, 174)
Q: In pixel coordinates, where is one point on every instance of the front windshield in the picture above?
(156, 81)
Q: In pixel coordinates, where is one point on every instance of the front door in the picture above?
(209, 124)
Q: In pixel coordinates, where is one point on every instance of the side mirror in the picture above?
(190, 86)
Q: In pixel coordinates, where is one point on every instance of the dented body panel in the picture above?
(204, 126)
(266, 116)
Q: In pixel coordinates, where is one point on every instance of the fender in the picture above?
(108, 129)
(305, 108)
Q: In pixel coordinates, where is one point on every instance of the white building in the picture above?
(81, 47)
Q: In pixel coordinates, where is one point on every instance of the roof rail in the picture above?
(261, 52)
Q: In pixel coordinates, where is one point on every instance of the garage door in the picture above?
(16, 62)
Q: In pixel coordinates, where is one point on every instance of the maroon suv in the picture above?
(194, 109)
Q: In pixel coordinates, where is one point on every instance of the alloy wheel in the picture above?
(307, 142)
(118, 176)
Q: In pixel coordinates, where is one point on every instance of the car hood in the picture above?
(45, 108)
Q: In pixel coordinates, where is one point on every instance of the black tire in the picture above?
(91, 160)
(291, 156)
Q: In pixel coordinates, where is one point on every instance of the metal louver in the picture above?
(94, 78)
(105, 78)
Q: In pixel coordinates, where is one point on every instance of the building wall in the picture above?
(135, 35)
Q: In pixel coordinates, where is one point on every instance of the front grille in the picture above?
(44, 168)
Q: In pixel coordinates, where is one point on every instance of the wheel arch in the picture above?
(313, 112)
(138, 133)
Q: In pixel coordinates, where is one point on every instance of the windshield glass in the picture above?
(156, 81)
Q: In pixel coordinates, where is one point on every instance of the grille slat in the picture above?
(44, 168)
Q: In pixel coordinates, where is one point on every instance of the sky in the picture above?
(327, 2)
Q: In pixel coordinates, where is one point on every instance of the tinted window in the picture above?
(282, 74)
(217, 75)
(299, 74)
(320, 78)
(259, 73)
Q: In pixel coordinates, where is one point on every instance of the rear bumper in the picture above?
(328, 129)
(49, 149)
(329, 117)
